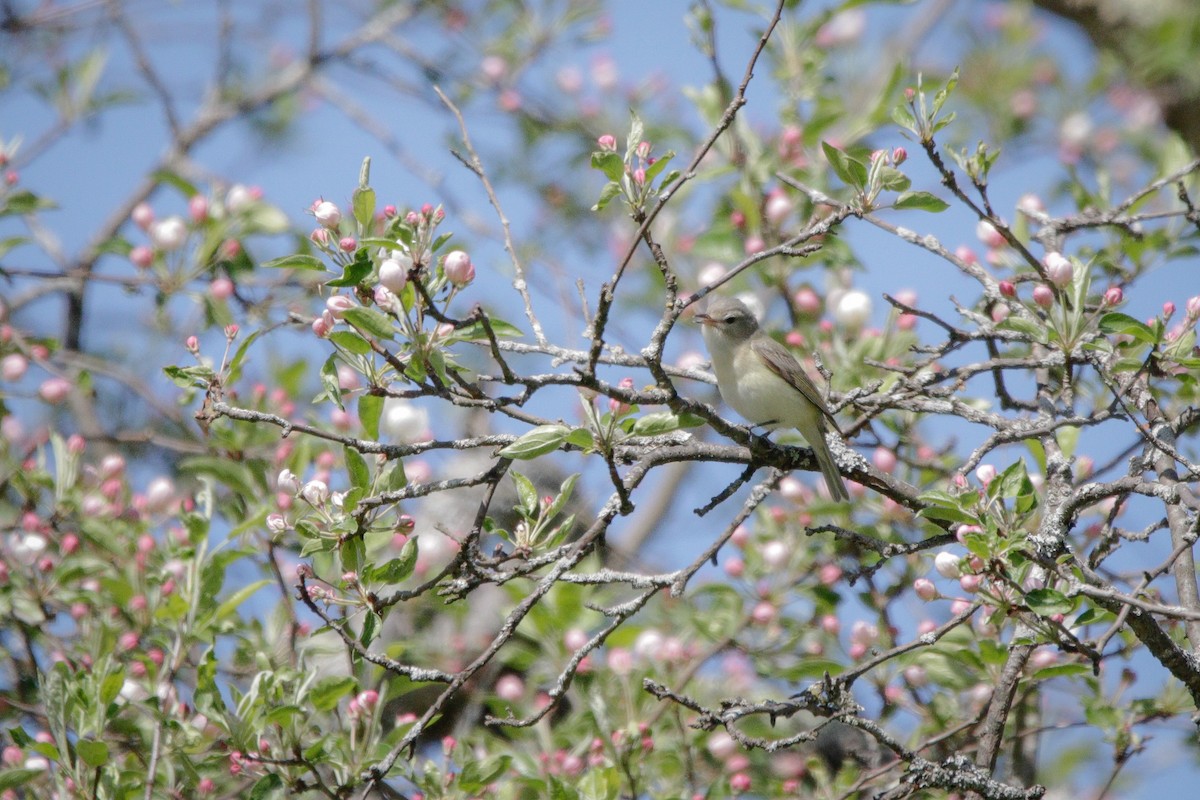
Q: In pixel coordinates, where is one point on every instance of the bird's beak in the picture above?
(704, 319)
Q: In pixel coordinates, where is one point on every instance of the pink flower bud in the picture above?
(777, 207)
(899, 156)
(1059, 269)
(458, 268)
(639, 176)
(231, 331)
(607, 142)
(323, 325)
(319, 236)
(143, 216)
(985, 473)
(13, 367)
(142, 256)
(1043, 295)
(221, 289)
(328, 215)
(947, 565)
(510, 688)
(1008, 289)
(54, 390)
(389, 211)
(393, 275)
(925, 589)
(198, 208)
(807, 301)
(884, 459)
(970, 583)
(987, 233)
(1168, 309)
(643, 149)
(348, 244)
(169, 234)
(1193, 306)
(339, 304)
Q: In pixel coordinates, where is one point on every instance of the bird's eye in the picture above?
(730, 320)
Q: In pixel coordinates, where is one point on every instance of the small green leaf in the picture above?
(398, 569)
(582, 438)
(363, 202)
(93, 753)
(539, 441)
(852, 171)
(369, 408)
(1048, 602)
(325, 694)
(655, 424)
(610, 190)
(526, 493)
(921, 201)
(351, 342)
(356, 466)
(189, 377)
(265, 786)
(370, 321)
(296, 261)
(1118, 323)
(12, 778)
(355, 272)
(234, 600)
(609, 163)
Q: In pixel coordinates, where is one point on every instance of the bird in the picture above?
(760, 380)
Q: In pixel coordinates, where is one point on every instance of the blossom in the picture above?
(853, 310)
(327, 214)
(403, 421)
(169, 234)
(458, 268)
(392, 275)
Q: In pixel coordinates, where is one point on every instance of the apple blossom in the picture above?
(1059, 269)
(947, 564)
(403, 421)
(13, 367)
(925, 589)
(458, 268)
(141, 256)
(54, 390)
(392, 275)
(315, 492)
(853, 310)
(239, 197)
(169, 234)
(198, 208)
(328, 214)
(986, 232)
(142, 216)
(1043, 295)
(339, 304)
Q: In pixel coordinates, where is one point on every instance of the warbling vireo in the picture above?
(764, 383)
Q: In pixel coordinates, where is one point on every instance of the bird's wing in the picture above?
(783, 364)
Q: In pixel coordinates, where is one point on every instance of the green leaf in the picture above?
(526, 494)
(234, 600)
(369, 408)
(326, 693)
(565, 491)
(852, 171)
(351, 342)
(24, 202)
(945, 92)
(370, 321)
(539, 441)
(655, 424)
(355, 272)
(476, 775)
(363, 202)
(301, 261)
(265, 786)
(356, 465)
(1048, 601)
(398, 569)
(1118, 323)
(330, 382)
(189, 377)
(609, 163)
(921, 201)
(582, 438)
(12, 778)
(1060, 670)
(93, 753)
(610, 190)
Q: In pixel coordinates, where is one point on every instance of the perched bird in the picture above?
(764, 383)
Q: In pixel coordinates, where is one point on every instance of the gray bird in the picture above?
(763, 382)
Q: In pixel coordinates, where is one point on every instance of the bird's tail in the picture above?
(829, 470)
